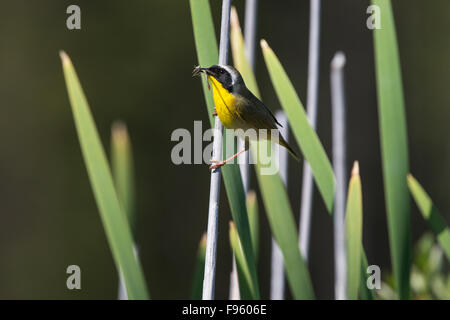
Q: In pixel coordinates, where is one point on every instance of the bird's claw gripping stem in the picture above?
(217, 164)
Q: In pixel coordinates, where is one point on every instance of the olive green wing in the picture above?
(255, 113)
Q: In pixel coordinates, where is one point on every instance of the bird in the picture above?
(238, 108)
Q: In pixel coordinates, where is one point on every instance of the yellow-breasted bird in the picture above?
(238, 108)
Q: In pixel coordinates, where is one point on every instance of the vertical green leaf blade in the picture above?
(244, 276)
(276, 202)
(394, 145)
(207, 54)
(305, 135)
(364, 292)
(114, 220)
(205, 43)
(197, 286)
(353, 221)
(430, 214)
(282, 224)
(252, 209)
(123, 171)
(236, 199)
(239, 56)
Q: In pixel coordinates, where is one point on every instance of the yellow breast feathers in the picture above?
(225, 104)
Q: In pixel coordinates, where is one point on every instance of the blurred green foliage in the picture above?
(428, 280)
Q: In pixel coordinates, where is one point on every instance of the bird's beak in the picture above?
(198, 70)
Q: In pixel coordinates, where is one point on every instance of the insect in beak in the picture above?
(198, 70)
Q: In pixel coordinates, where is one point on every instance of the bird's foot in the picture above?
(217, 164)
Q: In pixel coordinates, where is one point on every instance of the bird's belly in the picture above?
(229, 117)
(226, 115)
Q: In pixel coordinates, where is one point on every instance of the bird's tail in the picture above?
(283, 143)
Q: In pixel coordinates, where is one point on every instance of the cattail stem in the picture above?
(277, 273)
(251, 15)
(339, 150)
(277, 264)
(213, 211)
(311, 107)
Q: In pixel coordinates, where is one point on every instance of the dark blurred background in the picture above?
(134, 60)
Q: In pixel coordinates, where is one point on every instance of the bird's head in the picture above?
(226, 75)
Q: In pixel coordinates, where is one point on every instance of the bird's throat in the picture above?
(224, 102)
